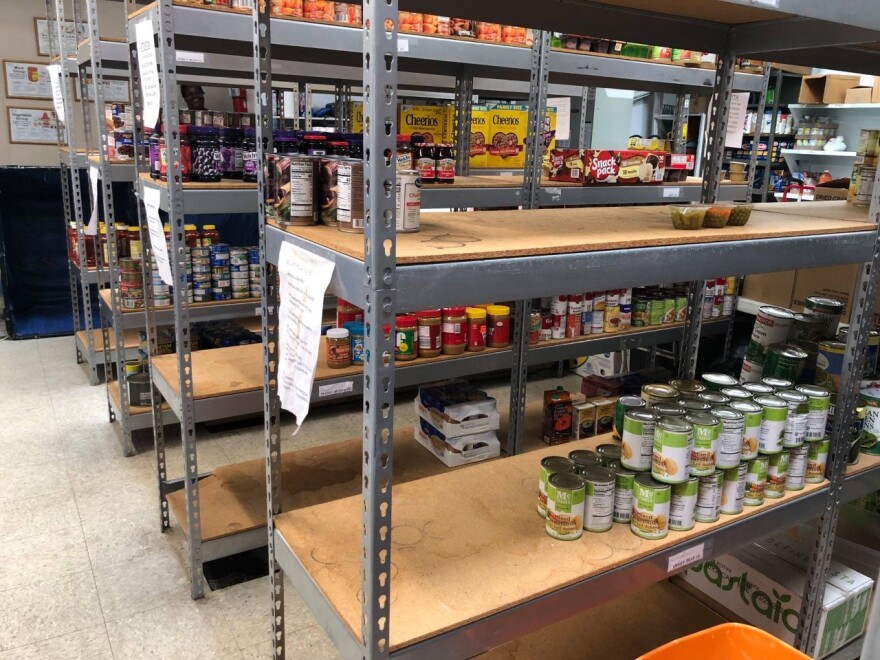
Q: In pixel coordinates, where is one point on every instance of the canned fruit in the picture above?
(752, 414)
(784, 361)
(623, 495)
(682, 505)
(756, 480)
(566, 494)
(733, 489)
(550, 465)
(583, 459)
(777, 468)
(637, 444)
(625, 403)
(818, 406)
(797, 468)
(599, 502)
(673, 441)
(817, 459)
(653, 393)
(688, 217)
(650, 515)
(608, 452)
(687, 386)
(708, 507)
(772, 433)
(795, 431)
(707, 431)
(716, 382)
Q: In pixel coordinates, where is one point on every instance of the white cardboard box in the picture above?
(462, 419)
(491, 449)
(603, 364)
(766, 591)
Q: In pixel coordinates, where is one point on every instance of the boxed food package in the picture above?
(604, 364)
(356, 112)
(597, 386)
(653, 143)
(566, 166)
(678, 167)
(606, 166)
(458, 451)
(480, 117)
(558, 416)
(461, 27)
(766, 590)
(457, 409)
(584, 420)
(428, 121)
(605, 414)
(487, 31)
(506, 136)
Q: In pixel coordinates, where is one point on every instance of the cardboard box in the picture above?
(607, 166)
(480, 136)
(595, 386)
(506, 136)
(558, 417)
(766, 591)
(859, 95)
(457, 409)
(566, 165)
(584, 420)
(605, 364)
(826, 194)
(356, 111)
(829, 88)
(469, 449)
(770, 288)
(605, 414)
(428, 121)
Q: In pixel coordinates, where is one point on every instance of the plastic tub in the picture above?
(689, 216)
(728, 641)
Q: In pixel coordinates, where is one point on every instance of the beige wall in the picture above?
(18, 42)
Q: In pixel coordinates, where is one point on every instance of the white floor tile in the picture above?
(88, 644)
(37, 515)
(41, 557)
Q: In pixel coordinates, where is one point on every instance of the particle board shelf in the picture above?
(130, 339)
(134, 411)
(225, 184)
(205, 311)
(467, 545)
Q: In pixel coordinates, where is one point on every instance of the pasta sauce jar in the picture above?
(454, 330)
(498, 326)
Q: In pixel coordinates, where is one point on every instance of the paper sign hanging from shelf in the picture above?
(57, 98)
(736, 120)
(304, 278)
(150, 90)
(157, 235)
(92, 227)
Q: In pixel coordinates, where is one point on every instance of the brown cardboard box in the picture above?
(770, 288)
(830, 88)
(859, 95)
(826, 194)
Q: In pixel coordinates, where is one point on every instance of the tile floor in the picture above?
(84, 571)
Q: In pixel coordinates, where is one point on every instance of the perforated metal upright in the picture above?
(464, 98)
(72, 194)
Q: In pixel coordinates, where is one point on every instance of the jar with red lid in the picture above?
(338, 148)
(430, 344)
(185, 156)
(404, 153)
(313, 145)
(444, 164)
(406, 328)
(476, 329)
(454, 330)
(498, 326)
(425, 162)
(347, 313)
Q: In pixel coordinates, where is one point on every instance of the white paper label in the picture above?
(57, 97)
(736, 119)
(304, 278)
(402, 45)
(157, 236)
(563, 116)
(766, 3)
(92, 227)
(190, 56)
(671, 192)
(335, 388)
(681, 559)
(150, 90)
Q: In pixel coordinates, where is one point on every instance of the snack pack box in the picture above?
(457, 409)
(606, 166)
(567, 165)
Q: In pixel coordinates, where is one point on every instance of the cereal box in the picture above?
(356, 111)
(479, 136)
(506, 136)
(429, 121)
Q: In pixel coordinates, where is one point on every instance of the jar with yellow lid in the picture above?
(476, 328)
(498, 326)
(191, 236)
(454, 332)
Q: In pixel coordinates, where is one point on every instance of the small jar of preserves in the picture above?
(338, 348)
(209, 236)
(206, 156)
(154, 140)
(313, 145)
(231, 166)
(338, 148)
(476, 328)
(444, 164)
(406, 328)
(285, 142)
(426, 162)
(185, 156)
(429, 333)
(498, 326)
(134, 242)
(249, 164)
(454, 330)
(404, 153)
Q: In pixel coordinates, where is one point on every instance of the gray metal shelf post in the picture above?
(680, 121)
(862, 311)
(262, 41)
(771, 138)
(756, 136)
(464, 96)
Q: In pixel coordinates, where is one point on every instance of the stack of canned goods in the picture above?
(689, 452)
(221, 281)
(201, 273)
(131, 284)
(239, 271)
(718, 300)
(254, 280)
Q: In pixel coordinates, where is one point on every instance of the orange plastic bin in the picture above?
(728, 641)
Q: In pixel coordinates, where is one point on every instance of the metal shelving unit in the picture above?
(362, 625)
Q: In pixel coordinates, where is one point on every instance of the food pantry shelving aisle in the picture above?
(522, 263)
(190, 27)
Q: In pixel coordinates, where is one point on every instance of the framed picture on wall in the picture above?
(26, 80)
(31, 126)
(71, 36)
(115, 91)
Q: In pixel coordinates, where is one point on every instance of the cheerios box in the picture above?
(356, 112)
(506, 136)
(480, 118)
(765, 590)
(428, 121)
(457, 409)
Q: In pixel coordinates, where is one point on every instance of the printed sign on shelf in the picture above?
(92, 227)
(304, 278)
(157, 235)
(150, 90)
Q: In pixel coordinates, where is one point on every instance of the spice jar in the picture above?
(338, 348)
(429, 333)
(476, 328)
(498, 326)
(454, 330)
(405, 340)
(346, 312)
(206, 157)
